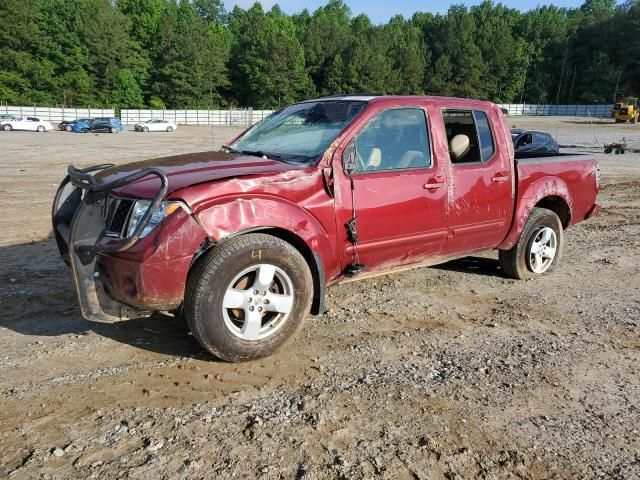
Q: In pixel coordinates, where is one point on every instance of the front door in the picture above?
(397, 192)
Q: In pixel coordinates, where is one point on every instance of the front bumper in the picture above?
(124, 278)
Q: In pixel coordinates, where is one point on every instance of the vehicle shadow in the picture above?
(486, 267)
(38, 299)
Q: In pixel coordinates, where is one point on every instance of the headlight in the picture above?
(140, 208)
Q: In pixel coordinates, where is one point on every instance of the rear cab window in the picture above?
(469, 136)
(395, 139)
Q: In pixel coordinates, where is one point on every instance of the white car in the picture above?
(155, 125)
(32, 124)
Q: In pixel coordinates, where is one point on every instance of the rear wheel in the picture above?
(169, 129)
(113, 130)
(145, 129)
(539, 248)
(8, 128)
(68, 128)
(41, 129)
(247, 297)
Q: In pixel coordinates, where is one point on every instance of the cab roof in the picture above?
(378, 98)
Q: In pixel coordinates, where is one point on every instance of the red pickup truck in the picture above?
(244, 242)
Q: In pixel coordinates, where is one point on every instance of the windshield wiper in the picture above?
(261, 154)
(230, 149)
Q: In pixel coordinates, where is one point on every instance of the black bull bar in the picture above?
(79, 227)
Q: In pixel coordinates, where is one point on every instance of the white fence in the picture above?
(197, 117)
(56, 114)
(558, 110)
(245, 117)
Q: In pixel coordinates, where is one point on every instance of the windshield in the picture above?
(299, 133)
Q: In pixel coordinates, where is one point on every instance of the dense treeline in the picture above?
(195, 53)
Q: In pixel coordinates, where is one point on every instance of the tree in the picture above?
(19, 36)
(127, 92)
(191, 70)
(271, 60)
(105, 32)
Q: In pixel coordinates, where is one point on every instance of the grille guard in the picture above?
(98, 191)
(79, 228)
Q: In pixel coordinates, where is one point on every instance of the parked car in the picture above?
(98, 125)
(33, 124)
(68, 125)
(106, 125)
(534, 141)
(244, 242)
(81, 125)
(155, 125)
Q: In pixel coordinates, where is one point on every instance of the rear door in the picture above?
(399, 192)
(481, 182)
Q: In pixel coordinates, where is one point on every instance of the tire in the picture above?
(85, 130)
(7, 128)
(68, 128)
(169, 129)
(145, 129)
(234, 267)
(41, 129)
(608, 150)
(113, 130)
(520, 262)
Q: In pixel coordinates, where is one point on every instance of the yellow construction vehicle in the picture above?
(626, 110)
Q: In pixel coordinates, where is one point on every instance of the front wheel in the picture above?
(169, 129)
(113, 130)
(41, 129)
(68, 128)
(7, 128)
(248, 296)
(538, 249)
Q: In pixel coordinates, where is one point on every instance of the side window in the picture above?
(487, 148)
(394, 139)
(469, 136)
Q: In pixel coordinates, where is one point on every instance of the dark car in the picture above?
(68, 125)
(534, 141)
(106, 125)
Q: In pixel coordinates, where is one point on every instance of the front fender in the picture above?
(549, 186)
(236, 215)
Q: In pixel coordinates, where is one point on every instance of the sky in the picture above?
(380, 11)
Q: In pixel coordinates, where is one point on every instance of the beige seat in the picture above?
(458, 147)
(374, 160)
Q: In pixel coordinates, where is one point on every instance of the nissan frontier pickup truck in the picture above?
(244, 242)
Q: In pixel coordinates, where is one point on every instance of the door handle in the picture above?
(433, 185)
(500, 177)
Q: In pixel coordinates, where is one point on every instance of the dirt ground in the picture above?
(449, 372)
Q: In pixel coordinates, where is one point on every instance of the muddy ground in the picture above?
(449, 372)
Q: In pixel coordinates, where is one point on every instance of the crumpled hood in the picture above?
(192, 169)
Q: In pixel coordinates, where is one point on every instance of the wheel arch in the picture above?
(559, 206)
(548, 192)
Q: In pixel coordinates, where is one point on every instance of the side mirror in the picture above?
(349, 158)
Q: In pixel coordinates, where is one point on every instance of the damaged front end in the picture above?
(80, 216)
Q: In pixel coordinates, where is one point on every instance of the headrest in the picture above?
(375, 158)
(459, 146)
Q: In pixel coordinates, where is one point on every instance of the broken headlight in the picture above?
(139, 209)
